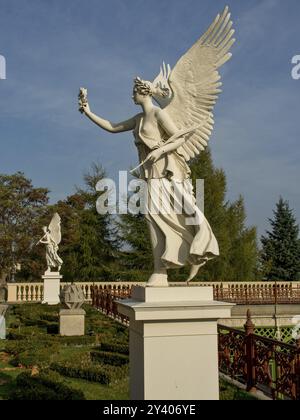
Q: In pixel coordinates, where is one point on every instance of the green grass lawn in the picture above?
(30, 348)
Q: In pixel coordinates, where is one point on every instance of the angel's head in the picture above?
(142, 91)
(159, 90)
(45, 229)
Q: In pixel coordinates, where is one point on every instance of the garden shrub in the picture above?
(43, 387)
(109, 358)
(30, 358)
(49, 317)
(16, 346)
(103, 374)
(31, 352)
(52, 328)
(115, 347)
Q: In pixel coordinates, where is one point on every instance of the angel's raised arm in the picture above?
(107, 125)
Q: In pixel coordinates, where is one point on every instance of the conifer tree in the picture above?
(280, 256)
(237, 243)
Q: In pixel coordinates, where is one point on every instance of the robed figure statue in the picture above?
(167, 137)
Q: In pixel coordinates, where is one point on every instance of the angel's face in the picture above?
(137, 97)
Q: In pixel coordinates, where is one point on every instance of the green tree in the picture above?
(134, 233)
(237, 242)
(243, 253)
(90, 246)
(280, 256)
(21, 207)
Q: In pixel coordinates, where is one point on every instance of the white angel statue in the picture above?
(169, 136)
(52, 238)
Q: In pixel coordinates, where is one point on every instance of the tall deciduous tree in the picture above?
(280, 256)
(21, 206)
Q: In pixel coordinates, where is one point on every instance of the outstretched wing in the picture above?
(55, 229)
(162, 91)
(195, 83)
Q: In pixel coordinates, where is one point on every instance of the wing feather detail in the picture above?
(55, 228)
(195, 84)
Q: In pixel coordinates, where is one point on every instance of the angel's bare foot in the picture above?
(158, 279)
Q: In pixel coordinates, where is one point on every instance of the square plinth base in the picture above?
(51, 288)
(174, 342)
(72, 322)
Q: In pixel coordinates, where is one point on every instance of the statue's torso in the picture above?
(149, 135)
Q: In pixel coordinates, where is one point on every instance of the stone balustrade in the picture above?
(228, 291)
(33, 292)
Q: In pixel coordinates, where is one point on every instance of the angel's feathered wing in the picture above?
(195, 83)
(55, 229)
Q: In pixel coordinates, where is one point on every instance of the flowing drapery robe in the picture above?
(178, 238)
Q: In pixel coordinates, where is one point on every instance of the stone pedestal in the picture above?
(51, 288)
(174, 342)
(3, 309)
(72, 322)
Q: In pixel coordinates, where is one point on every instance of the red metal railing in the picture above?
(242, 294)
(258, 294)
(105, 300)
(260, 363)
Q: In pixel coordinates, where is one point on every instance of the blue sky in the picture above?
(53, 47)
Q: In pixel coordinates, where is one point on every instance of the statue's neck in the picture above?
(147, 106)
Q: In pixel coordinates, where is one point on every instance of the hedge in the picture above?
(93, 373)
(115, 348)
(109, 358)
(43, 387)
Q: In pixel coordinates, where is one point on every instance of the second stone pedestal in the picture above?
(174, 342)
(3, 309)
(51, 288)
(72, 322)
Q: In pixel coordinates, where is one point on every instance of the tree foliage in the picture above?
(280, 256)
(90, 245)
(21, 207)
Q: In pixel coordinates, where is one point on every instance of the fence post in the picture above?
(249, 354)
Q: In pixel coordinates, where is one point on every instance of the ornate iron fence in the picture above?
(258, 293)
(105, 300)
(260, 363)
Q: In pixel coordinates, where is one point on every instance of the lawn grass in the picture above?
(230, 392)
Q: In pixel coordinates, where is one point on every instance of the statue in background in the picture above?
(52, 238)
(168, 137)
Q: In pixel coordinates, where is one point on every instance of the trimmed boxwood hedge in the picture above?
(115, 348)
(102, 374)
(109, 358)
(43, 387)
